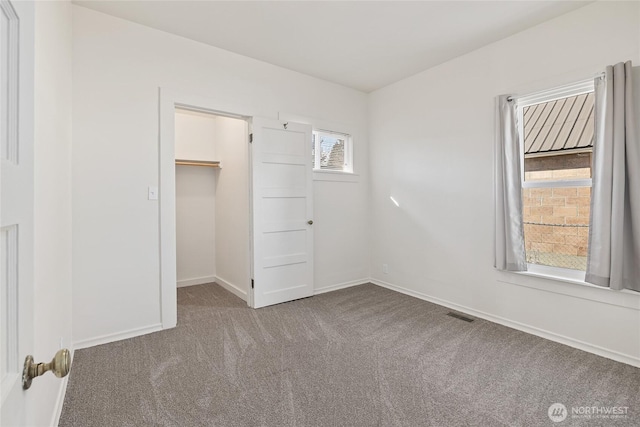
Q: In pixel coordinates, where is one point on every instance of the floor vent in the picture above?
(460, 316)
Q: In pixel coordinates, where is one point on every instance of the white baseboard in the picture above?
(196, 281)
(62, 391)
(231, 288)
(552, 336)
(105, 339)
(344, 285)
(118, 336)
(581, 345)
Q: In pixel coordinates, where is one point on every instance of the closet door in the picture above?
(282, 208)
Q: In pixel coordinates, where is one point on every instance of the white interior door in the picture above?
(16, 204)
(282, 212)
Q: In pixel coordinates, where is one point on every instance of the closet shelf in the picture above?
(211, 164)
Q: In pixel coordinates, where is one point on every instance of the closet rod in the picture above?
(198, 163)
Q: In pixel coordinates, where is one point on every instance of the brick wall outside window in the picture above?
(557, 220)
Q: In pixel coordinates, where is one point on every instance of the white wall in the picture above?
(195, 199)
(194, 135)
(117, 69)
(434, 134)
(232, 206)
(52, 287)
(195, 225)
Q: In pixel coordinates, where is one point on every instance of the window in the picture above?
(557, 134)
(332, 151)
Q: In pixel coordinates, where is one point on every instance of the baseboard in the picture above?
(196, 281)
(552, 336)
(118, 336)
(231, 288)
(57, 409)
(344, 285)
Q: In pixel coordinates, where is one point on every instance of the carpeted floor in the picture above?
(362, 356)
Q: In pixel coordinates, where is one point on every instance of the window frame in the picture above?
(348, 151)
(572, 89)
(327, 175)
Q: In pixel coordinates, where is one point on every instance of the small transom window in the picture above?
(332, 151)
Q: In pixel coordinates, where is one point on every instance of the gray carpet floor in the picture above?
(362, 356)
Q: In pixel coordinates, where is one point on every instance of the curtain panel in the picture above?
(614, 231)
(509, 239)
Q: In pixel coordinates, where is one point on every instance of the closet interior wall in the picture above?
(212, 204)
(195, 199)
(232, 210)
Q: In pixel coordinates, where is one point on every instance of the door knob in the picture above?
(59, 366)
(310, 222)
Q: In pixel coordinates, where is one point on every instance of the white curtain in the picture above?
(614, 230)
(509, 241)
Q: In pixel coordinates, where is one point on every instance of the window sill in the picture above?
(547, 282)
(575, 277)
(336, 176)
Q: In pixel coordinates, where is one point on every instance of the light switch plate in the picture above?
(153, 193)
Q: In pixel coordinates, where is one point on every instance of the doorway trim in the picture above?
(168, 101)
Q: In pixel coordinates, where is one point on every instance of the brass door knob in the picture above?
(310, 222)
(60, 366)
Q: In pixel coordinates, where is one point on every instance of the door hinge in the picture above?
(250, 137)
(251, 283)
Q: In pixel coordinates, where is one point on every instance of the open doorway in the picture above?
(216, 136)
(212, 201)
(262, 244)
